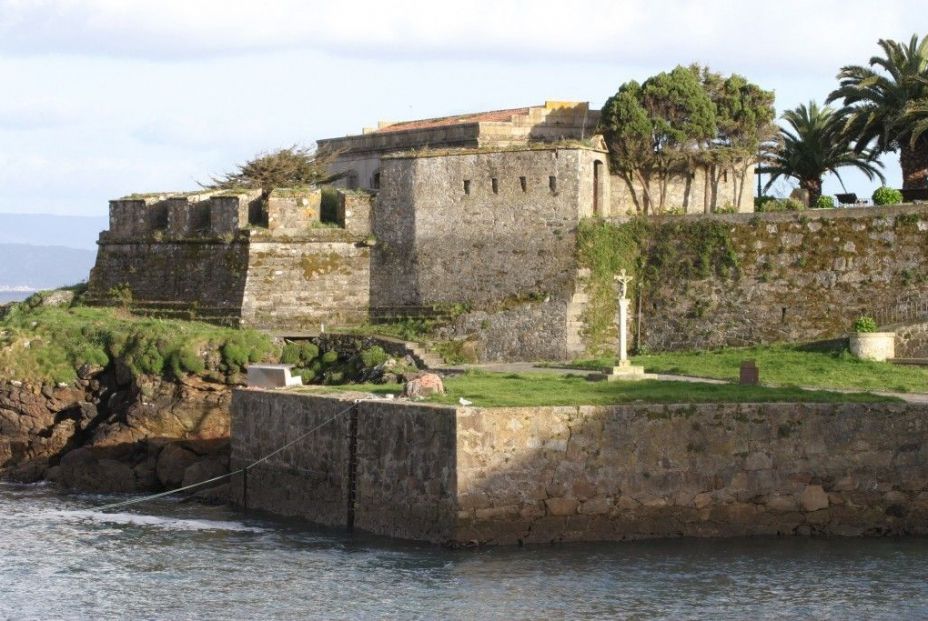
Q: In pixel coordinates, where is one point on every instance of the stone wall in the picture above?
(233, 258)
(690, 196)
(203, 279)
(607, 473)
(912, 340)
(509, 475)
(479, 227)
(300, 283)
(403, 472)
(798, 277)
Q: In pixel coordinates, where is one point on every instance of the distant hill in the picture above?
(51, 230)
(24, 266)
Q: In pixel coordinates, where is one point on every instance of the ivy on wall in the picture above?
(651, 252)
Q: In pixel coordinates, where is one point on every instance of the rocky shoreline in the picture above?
(110, 431)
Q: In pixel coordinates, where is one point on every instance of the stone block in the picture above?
(813, 498)
(561, 506)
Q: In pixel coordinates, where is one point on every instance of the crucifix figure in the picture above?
(623, 278)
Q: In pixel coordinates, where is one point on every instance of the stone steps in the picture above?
(423, 357)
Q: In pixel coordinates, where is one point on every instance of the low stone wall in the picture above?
(912, 341)
(509, 475)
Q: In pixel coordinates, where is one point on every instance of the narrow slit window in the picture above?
(552, 184)
(523, 183)
(724, 176)
(467, 186)
(495, 183)
(375, 182)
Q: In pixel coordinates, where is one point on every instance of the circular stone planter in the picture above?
(879, 346)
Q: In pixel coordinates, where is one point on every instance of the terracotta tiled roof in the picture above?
(493, 115)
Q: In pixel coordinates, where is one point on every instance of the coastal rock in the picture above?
(173, 462)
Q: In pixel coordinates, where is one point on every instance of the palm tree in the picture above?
(878, 101)
(814, 145)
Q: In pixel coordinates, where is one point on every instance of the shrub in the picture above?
(761, 201)
(779, 204)
(886, 196)
(865, 324)
(300, 354)
(373, 356)
(824, 202)
(329, 357)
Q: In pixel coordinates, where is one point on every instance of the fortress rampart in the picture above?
(237, 258)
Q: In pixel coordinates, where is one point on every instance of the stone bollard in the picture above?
(750, 374)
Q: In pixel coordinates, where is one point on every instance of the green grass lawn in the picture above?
(535, 389)
(802, 365)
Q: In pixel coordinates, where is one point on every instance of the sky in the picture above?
(102, 98)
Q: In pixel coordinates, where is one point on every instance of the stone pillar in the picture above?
(623, 332)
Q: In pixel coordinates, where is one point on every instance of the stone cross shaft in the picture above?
(623, 278)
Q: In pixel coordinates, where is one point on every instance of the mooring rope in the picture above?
(134, 501)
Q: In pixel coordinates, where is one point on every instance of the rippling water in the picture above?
(61, 559)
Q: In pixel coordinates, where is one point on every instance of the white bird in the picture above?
(465, 402)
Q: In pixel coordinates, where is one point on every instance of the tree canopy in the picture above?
(681, 121)
(290, 167)
(881, 98)
(814, 144)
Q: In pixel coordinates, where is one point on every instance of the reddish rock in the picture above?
(423, 386)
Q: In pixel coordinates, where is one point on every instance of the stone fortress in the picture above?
(479, 213)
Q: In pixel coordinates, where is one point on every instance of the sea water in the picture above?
(61, 558)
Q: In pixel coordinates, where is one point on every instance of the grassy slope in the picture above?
(786, 365)
(48, 344)
(513, 390)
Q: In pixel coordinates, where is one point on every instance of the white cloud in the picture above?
(785, 35)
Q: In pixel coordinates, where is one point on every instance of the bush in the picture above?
(824, 202)
(761, 201)
(865, 324)
(300, 354)
(778, 204)
(373, 357)
(886, 196)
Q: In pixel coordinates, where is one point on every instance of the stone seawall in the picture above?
(509, 475)
(398, 469)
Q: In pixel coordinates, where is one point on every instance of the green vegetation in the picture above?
(285, 168)
(785, 365)
(824, 202)
(49, 344)
(649, 251)
(770, 203)
(886, 103)
(683, 121)
(886, 196)
(541, 389)
(865, 324)
(408, 329)
(815, 143)
(328, 207)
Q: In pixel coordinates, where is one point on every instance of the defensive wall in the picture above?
(536, 475)
(237, 258)
(789, 276)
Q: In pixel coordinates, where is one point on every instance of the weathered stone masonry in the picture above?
(504, 475)
(234, 259)
(799, 277)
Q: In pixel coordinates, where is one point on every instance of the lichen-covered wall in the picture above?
(796, 277)
(203, 279)
(198, 256)
(509, 475)
(301, 283)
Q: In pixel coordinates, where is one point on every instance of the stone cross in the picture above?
(624, 279)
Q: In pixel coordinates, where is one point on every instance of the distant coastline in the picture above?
(14, 294)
